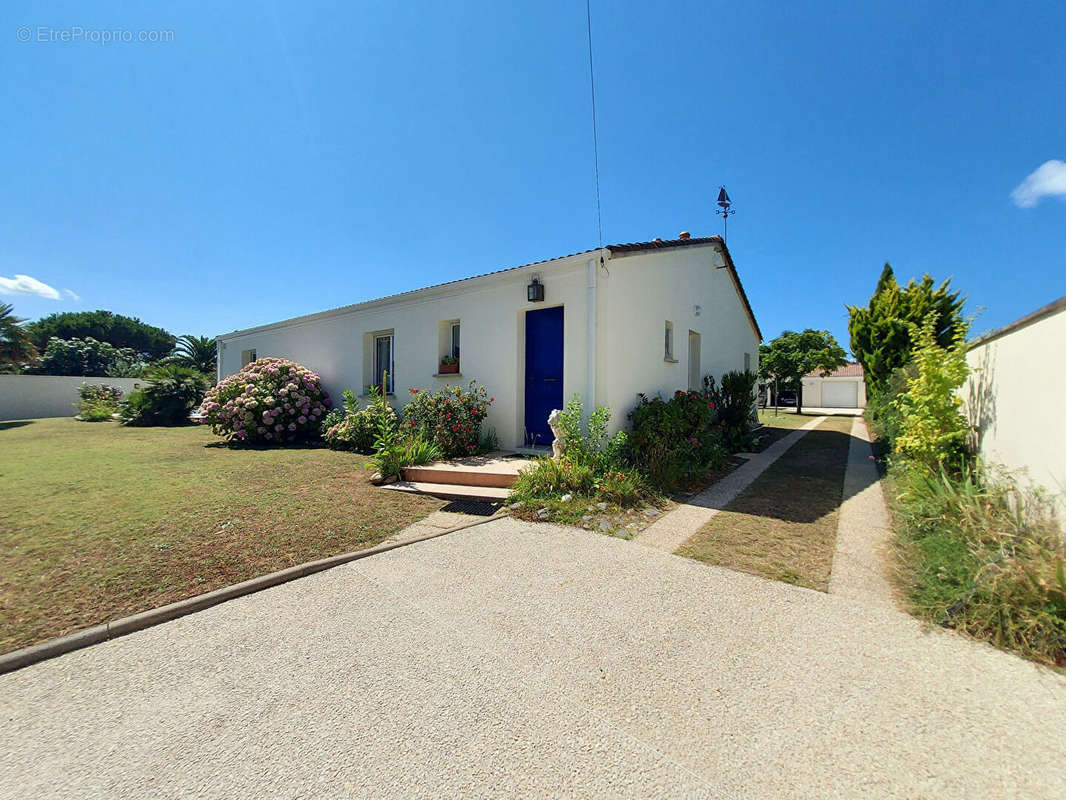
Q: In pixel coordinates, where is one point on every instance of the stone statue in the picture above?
(558, 445)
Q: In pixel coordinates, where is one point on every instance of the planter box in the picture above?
(449, 369)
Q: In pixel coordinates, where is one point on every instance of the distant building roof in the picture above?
(853, 370)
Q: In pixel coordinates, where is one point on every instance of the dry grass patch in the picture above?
(98, 521)
(784, 525)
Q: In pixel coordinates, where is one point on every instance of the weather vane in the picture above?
(725, 208)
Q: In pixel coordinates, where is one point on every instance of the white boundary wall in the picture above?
(1014, 395)
(33, 396)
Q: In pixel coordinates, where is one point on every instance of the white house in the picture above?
(608, 324)
(844, 387)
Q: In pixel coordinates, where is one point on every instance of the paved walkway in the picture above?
(859, 562)
(525, 660)
(672, 530)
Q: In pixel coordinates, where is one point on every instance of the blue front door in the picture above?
(544, 371)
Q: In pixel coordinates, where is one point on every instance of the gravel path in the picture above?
(859, 562)
(513, 659)
(672, 530)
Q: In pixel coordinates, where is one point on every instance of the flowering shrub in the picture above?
(271, 400)
(676, 441)
(353, 429)
(97, 402)
(450, 418)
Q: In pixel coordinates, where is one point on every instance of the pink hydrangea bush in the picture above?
(270, 401)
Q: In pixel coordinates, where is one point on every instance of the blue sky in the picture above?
(278, 159)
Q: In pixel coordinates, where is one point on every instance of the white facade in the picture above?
(619, 299)
(1012, 395)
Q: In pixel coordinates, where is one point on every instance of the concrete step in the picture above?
(450, 491)
(494, 469)
(432, 474)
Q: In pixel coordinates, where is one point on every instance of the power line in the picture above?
(595, 141)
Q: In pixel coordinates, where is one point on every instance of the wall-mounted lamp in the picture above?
(535, 291)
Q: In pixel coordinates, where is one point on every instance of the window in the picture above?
(747, 362)
(668, 352)
(448, 347)
(247, 357)
(384, 361)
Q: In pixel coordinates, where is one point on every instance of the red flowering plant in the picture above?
(676, 441)
(449, 418)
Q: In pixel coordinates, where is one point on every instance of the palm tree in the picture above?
(15, 344)
(198, 352)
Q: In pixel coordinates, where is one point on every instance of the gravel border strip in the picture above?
(24, 657)
(863, 531)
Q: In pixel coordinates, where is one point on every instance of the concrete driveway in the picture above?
(521, 660)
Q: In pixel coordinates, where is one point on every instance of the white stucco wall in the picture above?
(645, 290)
(34, 396)
(636, 294)
(812, 390)
(1013, 394)
(491, 313)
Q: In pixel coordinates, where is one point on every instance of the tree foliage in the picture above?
(86, 357)
(103, 326)
(170, 395)
(197, 352)
(882, 333)
(933, 429)
(792, 355)
(16, 344)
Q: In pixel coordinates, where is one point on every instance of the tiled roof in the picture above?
(613, 248)
(853, 370)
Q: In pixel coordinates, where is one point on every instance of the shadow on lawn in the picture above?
(803, 485)
(224, 445)
(15, 423)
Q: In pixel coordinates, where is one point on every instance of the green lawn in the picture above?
(98, 521)
(784, 525)
(785, 418)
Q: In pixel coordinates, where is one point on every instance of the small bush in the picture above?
(734, 404)
(552, 478)
(270, 401)
(95, 411)
(984, 556)
(353, 429)
(97, 402)
(675, 442)
(395, 449)
(169, 396)
(623, 487)
(450, 418)
(489, 443)
(588, 444)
